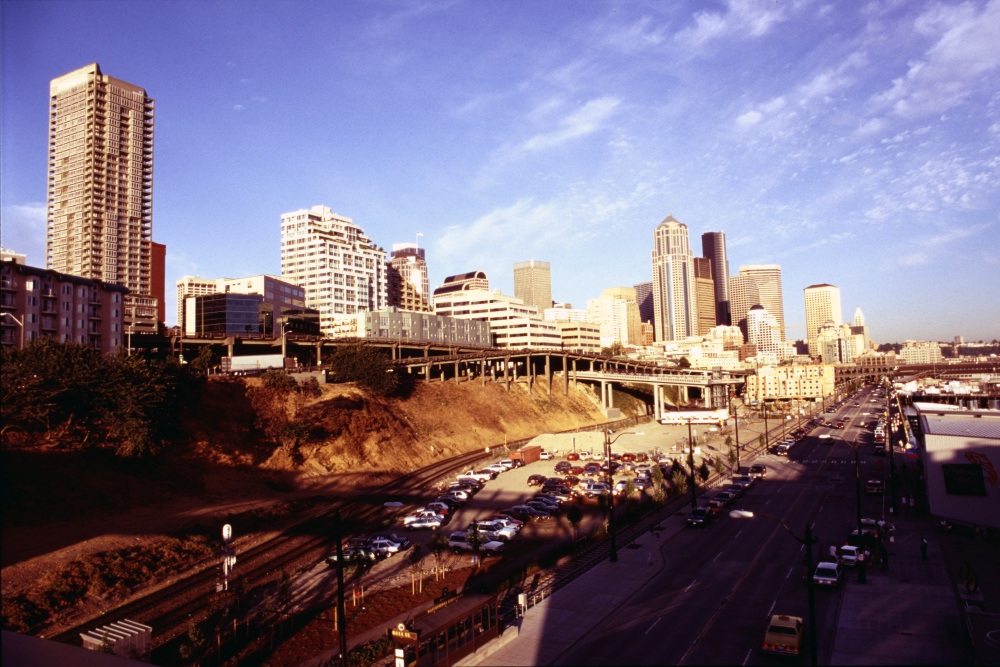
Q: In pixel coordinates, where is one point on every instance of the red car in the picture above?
(627, 457)
(572, 456)
(575, 470)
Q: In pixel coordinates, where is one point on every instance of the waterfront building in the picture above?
(282, 295)
(768, 280)
(341, 269)
(533, 283)
(99, 220)
(513, 324)
(798, 381)
(713, 248)
(822, 306)
(674, 313)
(920, 352)
(41, 303)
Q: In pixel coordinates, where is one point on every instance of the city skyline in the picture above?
(793, 129)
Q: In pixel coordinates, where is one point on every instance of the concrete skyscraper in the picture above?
(674, 302)
(100, 186)
(409, 285)
(768, 279)
(713, 248)
(342, 271)
(704, 285)
(743, 295)
(644, 297)
(533, 284)
(822, 306)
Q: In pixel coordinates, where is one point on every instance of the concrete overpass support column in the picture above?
(565, 361)
(230, 344)
(319, 354)
(682, 395)
(591, 365)
(506, 372)
(457, 373)
(611, 394)
(604, 395)
(482, 372)
(657, 410)
(427, 372)
(548, 374)
(574, 373)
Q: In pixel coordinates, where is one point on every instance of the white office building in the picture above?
(513, 324)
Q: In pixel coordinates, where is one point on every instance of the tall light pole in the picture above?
(608, 441)
(807, 541)
(767, 438)
(20, 323)
(130, 339)
(736, 422)
(694, 485)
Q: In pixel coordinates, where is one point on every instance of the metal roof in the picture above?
(967, 424)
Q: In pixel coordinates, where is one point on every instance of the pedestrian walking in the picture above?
(923, 547)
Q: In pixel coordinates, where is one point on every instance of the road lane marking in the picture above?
(652, 626)
(716, 556)
(772, 606)
(690, 585)
(821, 508)
(737, 534)
(747, 659)
(789, 572)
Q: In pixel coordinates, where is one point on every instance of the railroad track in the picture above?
(170, 609)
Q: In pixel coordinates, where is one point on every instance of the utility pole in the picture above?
(694, 485)
(341, 607)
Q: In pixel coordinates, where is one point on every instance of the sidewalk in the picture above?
(906, 615)
(571, 609)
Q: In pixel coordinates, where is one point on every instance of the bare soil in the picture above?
(63, 504)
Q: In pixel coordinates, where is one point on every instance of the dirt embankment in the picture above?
(62, 502)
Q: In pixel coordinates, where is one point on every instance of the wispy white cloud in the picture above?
(580, 123)
(22, 229)
(633, 37)
(741, 18)
(966, 49)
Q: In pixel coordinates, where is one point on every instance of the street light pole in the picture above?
(767, 438)
(736, 422)
(807, 541)
(694, 485)
(611, 491)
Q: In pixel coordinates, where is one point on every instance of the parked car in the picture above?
(545, 456)
(698, 518)
(507, 463)
(643, 483)
(569, 481)
(460, 542)
(628, 457)
(536, 480)
(486, 471)
(417, 516)
(362, 555)
(563, 466)
(432, 522)
(478, 476)
(506, 520)
(758, 470)
(575, 470)
(783, 635)
(440, 508)
(874, 487)
(596, 489)
(384, 547)
(549, 508)
(714, 507)
(724, 497)
(532, 513)
(848, 555)
(827, 574)
(572, 456)
(745, 480)
(738, 490)
(493, 530)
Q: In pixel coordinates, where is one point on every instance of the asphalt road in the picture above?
(711, 602)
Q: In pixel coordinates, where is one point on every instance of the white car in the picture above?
(384, 547)
(457, 493)
(459, 542)
(478, 476)
(494, 530)
(546, 456)
(848, 555)
(827, 574)
(419, 516)
(432, 522)
(508, 464)
(496, 467)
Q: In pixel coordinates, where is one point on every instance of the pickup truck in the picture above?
(481, 476)
(495, 530)
(459, 542)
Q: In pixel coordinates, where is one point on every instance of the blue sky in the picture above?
(853, 143)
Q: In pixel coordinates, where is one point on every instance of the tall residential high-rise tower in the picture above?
(533, 283)
(342, 270)
(768, 279)
(822, 306)
(713, 248)
(674, 313)
(100, 186)
(409, 286)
